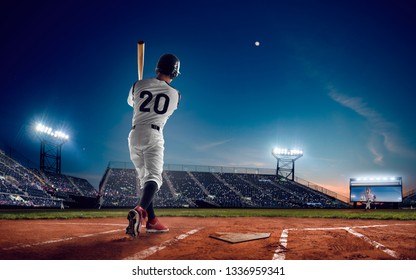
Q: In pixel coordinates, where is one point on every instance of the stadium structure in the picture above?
(51, 142)
(24, 186)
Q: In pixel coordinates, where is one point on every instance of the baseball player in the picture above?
(154, 101)
(368, 204)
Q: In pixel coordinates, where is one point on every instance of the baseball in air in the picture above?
(257, 43)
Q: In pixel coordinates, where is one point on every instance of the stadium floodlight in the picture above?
(53, 133)
(287, 152)
(286, 161)
(50, 147)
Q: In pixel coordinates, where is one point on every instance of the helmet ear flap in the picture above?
(175, 72)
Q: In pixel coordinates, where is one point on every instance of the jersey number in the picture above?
(158, 99)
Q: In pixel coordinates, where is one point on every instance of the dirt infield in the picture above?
(189, 239)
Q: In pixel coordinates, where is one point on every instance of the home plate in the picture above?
(237, 237)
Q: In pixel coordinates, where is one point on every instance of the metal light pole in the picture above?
(51, 142)
(286, 158)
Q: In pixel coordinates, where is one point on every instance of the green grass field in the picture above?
(379, 214)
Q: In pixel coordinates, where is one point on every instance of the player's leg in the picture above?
(149, 190)
(150, 212)
(137, 215)
(154, 180)
(153, 224)
(154, 159)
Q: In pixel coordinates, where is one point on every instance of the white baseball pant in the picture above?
(146, 146)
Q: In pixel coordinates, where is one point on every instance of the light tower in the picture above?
(286, 161)
(51, 142)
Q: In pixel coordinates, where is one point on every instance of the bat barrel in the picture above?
(140, 59)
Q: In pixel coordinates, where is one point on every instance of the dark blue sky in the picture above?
(335, 78)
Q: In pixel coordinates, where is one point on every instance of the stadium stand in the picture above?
(119, 189)
(409, 199)
(192, 187)
(214, 189)
(29, 187)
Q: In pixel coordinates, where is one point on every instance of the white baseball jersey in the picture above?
(153, 101)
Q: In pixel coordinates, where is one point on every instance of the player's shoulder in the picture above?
(148, 81)
(176, 92)
(168, 86)
(172, 87)
(142, 84)
(154, 82)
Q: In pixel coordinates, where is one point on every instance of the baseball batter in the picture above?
(154, 101)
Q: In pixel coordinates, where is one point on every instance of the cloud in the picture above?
(376, 151)
(208, 146)
(356, 104)
(380, 128)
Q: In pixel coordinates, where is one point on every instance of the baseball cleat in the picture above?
(136, 217)
(133, 229)
(155, 226)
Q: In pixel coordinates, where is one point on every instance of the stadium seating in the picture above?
(410, 200)
(215, 189)
(29, 187)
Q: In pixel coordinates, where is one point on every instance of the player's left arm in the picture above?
(130, 97)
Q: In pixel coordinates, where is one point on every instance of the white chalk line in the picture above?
(374, 243)
(280, 252)
(150, 251)
(59, 240)
(89, 224)
(65, 239)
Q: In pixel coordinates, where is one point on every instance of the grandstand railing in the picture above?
(200, 168)
(322, 189)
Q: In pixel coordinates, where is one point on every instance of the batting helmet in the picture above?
(168, 64)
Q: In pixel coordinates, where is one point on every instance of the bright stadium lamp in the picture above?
(51, 142)
(41, 128)
(286, 161)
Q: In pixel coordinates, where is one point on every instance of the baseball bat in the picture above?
(140, 59)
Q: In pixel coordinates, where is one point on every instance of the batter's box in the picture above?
(237, 237)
